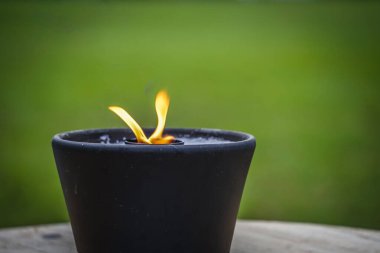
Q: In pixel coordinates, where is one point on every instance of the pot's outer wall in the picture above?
(181, 200)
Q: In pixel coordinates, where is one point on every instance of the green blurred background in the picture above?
(303, 77)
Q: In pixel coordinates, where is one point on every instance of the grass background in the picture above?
(302, 77)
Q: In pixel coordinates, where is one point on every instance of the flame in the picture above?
(137, 130)
(162, 106)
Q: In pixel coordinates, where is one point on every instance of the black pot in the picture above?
(127, 198)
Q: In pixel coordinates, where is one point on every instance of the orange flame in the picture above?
(162, 106)
(137, 130)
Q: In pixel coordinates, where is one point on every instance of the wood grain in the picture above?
(250, 237)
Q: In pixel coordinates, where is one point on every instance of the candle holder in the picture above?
(140, 198)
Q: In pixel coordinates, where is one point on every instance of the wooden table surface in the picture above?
(250, 237)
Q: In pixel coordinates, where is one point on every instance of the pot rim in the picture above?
(242, 139)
